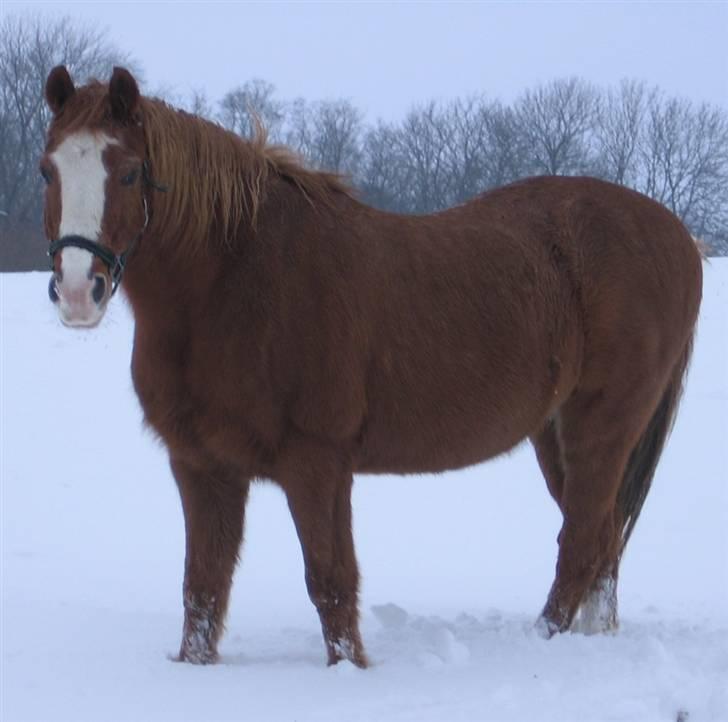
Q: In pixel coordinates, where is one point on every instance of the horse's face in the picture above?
(94, 201)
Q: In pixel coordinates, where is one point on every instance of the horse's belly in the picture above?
(462, 418)
(450, 441)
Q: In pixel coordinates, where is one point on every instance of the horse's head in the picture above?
(95, 203)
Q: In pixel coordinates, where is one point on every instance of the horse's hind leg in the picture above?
(598, 611)
(597, 432)
(214, 504)
(318, 488)
(548, 452)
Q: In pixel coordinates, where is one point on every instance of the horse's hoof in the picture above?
(196, 657)
(340, 651)
(359, 661)
(545, 628)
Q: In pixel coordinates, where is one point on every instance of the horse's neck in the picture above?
(161, 278)
(164, 276)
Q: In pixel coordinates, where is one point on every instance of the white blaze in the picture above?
(79, 160)
(81, 172)
(76, 266)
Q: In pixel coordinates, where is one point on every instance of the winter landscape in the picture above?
(421, 106)
(93, 547)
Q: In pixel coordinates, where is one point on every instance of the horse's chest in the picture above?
(198, 406)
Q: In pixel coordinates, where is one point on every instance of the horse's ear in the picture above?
(124, 95)
(58, 89)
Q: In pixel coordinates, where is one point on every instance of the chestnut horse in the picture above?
(286, 331)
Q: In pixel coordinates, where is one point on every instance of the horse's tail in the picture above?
(643, 460)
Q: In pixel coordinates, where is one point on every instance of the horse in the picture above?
(286, 331)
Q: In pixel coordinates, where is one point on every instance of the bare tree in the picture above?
(380, 171)
(195, 101)
(328, 134)
(685, 158)
(239, 108)
(29, 48)
(555, 121)
(618, 131)
(423, 141)
(337, 136)
(485, 149)
(466, 148)
(298, 128)
(508, 154)
(199, 104)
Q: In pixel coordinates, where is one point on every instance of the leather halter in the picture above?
(116, 264)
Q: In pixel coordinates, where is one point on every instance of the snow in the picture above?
(455, 568)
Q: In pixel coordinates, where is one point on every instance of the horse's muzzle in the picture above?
(79, 293)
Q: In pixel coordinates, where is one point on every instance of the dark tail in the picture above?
(643, 460)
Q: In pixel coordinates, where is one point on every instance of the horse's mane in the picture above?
(213, 176)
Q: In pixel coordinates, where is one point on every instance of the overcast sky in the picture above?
(387, 56)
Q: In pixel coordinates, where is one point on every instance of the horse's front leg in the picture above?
(213, 501)
(318, 487)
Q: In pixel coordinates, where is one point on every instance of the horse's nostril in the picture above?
(99, 289)
(53, 289)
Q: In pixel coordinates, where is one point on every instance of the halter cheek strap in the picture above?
(116, 265)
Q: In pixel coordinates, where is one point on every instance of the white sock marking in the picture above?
(598, 612)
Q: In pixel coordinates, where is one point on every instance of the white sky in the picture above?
(386, 56)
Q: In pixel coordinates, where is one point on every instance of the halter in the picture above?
(116, 265)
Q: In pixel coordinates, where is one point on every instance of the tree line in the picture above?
(440, 154)
(443, 153)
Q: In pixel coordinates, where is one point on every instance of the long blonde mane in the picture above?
(216, 177)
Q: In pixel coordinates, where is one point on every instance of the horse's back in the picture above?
(492, 312)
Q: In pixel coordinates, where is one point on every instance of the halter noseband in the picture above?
(115, 264)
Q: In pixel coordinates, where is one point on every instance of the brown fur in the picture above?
(286, 331)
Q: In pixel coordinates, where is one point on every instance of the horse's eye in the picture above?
(46, 175)
(130, 178)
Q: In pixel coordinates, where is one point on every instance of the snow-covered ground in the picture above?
(455, 568)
